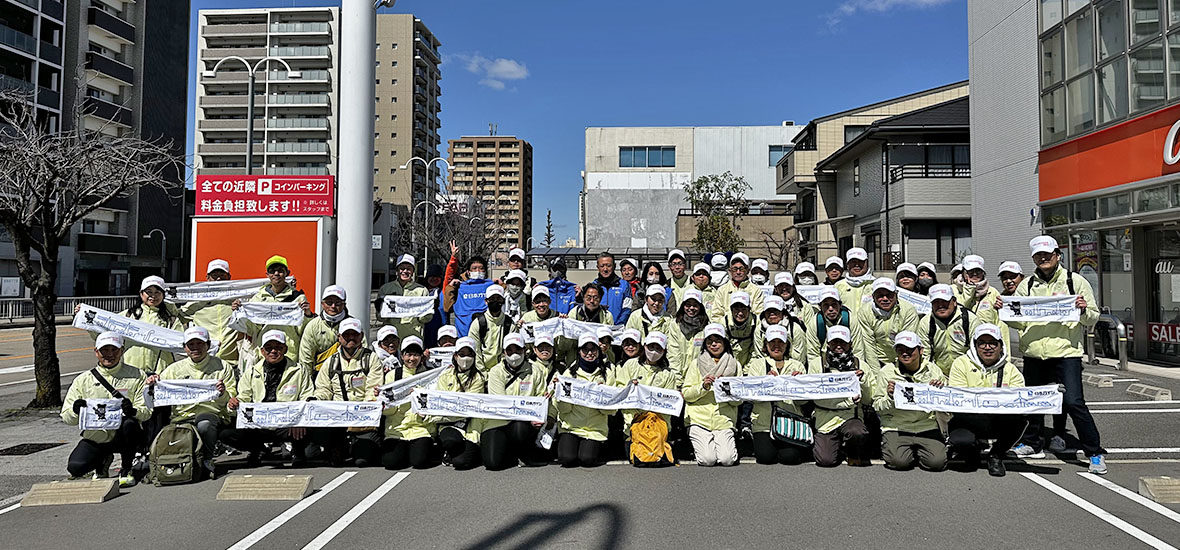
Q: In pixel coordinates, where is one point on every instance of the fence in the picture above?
(22, 308)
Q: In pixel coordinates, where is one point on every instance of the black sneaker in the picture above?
(104, 469)
(995, 466)
(254, 460)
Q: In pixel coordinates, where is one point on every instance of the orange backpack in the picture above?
(649, 441)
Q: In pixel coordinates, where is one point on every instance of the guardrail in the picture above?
(22, 308)
(1119, 328)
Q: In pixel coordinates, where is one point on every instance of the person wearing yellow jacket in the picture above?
(830, 313)
(654, 315)
(773, 315)
(701, 280)
(489, 328)
(503, 443)
(273, 380)
(946, 331)
(775, 361)
(909, 437)
(276, 290)
(985, 365)
(582, 431)
(740, 326)
(711, 424)
(856, 286)
(408, 438)
(404, 285)
(839, 426)
(459, 437)
(686, 336)
(215, 315)
(542, 311)
(95, 451)
(881, 321)
(630, 345)
(321, 335)
(344, 376)
(653, 369)
(739, 281)
(680, 279)
(1053, 351)
(152, 310)
(209, 417)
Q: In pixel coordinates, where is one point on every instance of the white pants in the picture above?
(713, 448)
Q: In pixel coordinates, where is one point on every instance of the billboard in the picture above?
(246, 243)
(261, 195)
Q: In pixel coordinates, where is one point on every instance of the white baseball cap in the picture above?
(839, 332)
(677, 253)
(513, 339)
(739, 297)
(761, 264)
(987, 329)
(652, 290)
(908, 339)
(603, 332)
(906, 267)
(739, 257)
(493, 290)
(446, 330)
(957, 269)
(587, 337)
(972, 261)
(941, 292)
(390, 330)
(693, 294)
(857, 253)
(465, 342)
(516, 274)
(632, 335)
(634, 263)
(927, 265)
(885, 283)
(658, 338)
(1011, 267)
(274, 336)
(406, 259)
(196, 333)
(214, 265)
(108, 338)
(1044, 243)
(776, 332)
(701, 266)
(412, 341)
(151, 281)
(714, 329)
(543, 339)
(805, 267)
(834, 260)
(784, 278)
(827, 292)
(337, 291)
(516, 253)
(540, 290)
(351, 324)
(718, 260)
(772, 302)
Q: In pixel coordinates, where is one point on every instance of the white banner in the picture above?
(101, 414)
(835, 385)
(310, 414)
(479, 405)
(565, 328)
(215, 291)
(440, 357)
(920, 302)
(1030, 400)
(266, 313)
(405, 307)
(810, 292)
(398, 393)
(96, 320)
(180, 392)
(1034, 309)
(610, 398)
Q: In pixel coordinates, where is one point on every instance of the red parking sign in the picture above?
(260, 195)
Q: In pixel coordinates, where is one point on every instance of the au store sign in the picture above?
(260, 195)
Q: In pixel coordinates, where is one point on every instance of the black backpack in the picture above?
(934, 327)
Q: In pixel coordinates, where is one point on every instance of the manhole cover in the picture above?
(27, 448)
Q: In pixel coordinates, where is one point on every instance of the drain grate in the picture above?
(27, 448)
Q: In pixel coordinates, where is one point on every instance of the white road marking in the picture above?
(9, 509)
(1134, 411)
(1141, 402)
(63, 375)
(1125, 380)
(291, 512)
(1099, 513)
(350, 516)
(1146, 502)
(14, 370)
(1123, 450)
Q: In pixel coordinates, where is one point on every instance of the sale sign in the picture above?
(261, 195)
(1164, 333)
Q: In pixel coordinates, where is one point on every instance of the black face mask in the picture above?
(495, 307)
(840, 361)
(925, 283)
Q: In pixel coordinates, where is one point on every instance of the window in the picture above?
(1050, 13)
(392, 117)
(856, 177)
(1145, 20)
(1080, 98)
(1174, 12)
(1112, 31)
(1072, 6)
(393, 82)
(1147, 200)
(1174, 66)
(1079, 35)
(954, 241)
(853, 131)
(1112, 91)
(1147, 76)
(647, 157)
(1052, 60)
(777, 152)
(1117, 205)
(1053, 116)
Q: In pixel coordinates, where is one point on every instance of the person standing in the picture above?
(946, 331)
(680, 280)
(321, 334)
(489, 328)
(277, 289)
(653, 315)
(616, 293)
(739, 280)
(215, 315)
(881, 321)
(404, 285)
(906, 277)
(855, 287)
(909, 438)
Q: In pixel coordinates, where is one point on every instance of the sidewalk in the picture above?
(19, 472)
(27, 322)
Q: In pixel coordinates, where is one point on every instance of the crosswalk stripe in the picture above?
(1149, 504)
(291, 512)
(1099, 513)
(350, 516)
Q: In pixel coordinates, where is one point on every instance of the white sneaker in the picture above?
(1057, 445)
(1098, 464)
(1025, 451)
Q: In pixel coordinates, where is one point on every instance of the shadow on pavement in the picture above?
(1032, 468)
(543, 528)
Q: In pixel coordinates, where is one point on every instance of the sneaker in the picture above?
(210, 468)
(1026, 451)
(995, 466)
(127, 478)
(104, 470)
(1057, 445)
(1098, 465)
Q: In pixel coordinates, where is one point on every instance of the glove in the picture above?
(78, 404)
(128, 408)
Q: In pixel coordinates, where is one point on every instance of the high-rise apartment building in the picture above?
(498, 171)
(407, 123)
(32, 35)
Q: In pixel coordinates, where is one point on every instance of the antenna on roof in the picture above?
(492, 127)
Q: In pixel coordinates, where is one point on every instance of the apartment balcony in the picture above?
(29, 3)
(931, 190)
(300, 28)
(106, 110)
(12, 83)
(102, 244)
(293, 147)
(420, 75)
(237, 100)
(113, 27)
(51, 8)
(231, 124)
(305, 76)
(233, 30)
(18, 40)
(301, 51)
(104, 65)
(51, 53)
(248, 52)
(297, 170)
(231, 171)
(425, 44)
(48, 98)
(295, 100)
(923, 171)
(222, 148)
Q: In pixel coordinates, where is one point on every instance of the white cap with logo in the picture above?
(739, 297)
(214, 265)
(805, 267)
(987, 329)
(776, 332)
(446, 330)
(390, 330)
(884, 283)
(941, 292)
(337, 291)
(857, 253)
(150, 281)
(957, 269)
(761, 264)
(656, 337)
(543, 339)
(908, 339)
(540, 290)
(632, 335)
(465, 342)
(714, 329)
(839, 332)
(108, 338)
(828, 293)
(406, 259)
(833, 260)
(653, 290)
(1011, 267)
(587, 337)
(513, 339)
(351, 324)
(972, 261)
(516, 274)
(412, 341)
(676, 253)
(784, 278)
(701, 266)
(693, 294)
(906, 267)
(493, 290)
(739, 257)
(196, 333)
(516, 253)
(274, 336)
(603, 332)
(773, 303)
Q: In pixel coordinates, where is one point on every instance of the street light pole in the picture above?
(252, 70)
(163, 250)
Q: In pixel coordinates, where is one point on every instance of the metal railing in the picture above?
(1115, 325)
(929, 171)
(299, 27)
(22, 308)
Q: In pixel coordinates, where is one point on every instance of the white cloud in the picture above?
(849, 8)
(495, 72)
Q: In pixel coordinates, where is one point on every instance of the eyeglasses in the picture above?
(987, 344)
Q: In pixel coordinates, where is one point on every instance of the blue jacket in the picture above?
(616, 291)
(562, 295)
(469, 301)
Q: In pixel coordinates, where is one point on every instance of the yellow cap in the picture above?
(276, 259)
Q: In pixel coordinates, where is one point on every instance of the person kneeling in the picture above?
(505, 442)
(582, 431)
(273, 380)
(711, 424)
(768, 449)
(985, 366)
(459, 437)
(408, 438)
(839, 429)
(909, 437)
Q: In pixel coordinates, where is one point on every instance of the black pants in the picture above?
(574, 451)
(966, 431)
(397, 454)
(89, 455)
(768, 450)
(1068, 372)
(254, 441)
(161, 416)
(366, 447)
(208, 427)
(329, 444)
(745, 410)
(464, 454)
(503, 446)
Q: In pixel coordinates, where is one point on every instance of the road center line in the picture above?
(1140, 402)
(1147, 503)
(1134, 411)
(1099, 513)
(361, 507)
(291, 512)
(9, 509)
(62, 375)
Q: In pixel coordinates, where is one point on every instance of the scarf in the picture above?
(691, 325)
(981, 289)
(859, 281)
(333, 319)
(725, 366)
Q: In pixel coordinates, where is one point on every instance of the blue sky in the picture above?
(544, 70)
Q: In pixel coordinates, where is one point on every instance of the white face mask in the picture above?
(336, 318)
(758, 279)
(514, 360)
(475, 275)
(464, 363)
(653, 279)
(515, 290)
(807, 280)
(652, 356)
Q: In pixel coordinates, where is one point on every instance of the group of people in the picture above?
(681, 331)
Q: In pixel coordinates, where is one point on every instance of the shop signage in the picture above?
(1170, 155)
(1163, 266)
(258, 195)
(1164, 333)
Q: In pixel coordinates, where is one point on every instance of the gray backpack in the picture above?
(175, 457)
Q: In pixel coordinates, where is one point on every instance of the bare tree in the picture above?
(782, 252)
(50, 180)
(474, 232)
(549, 235)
